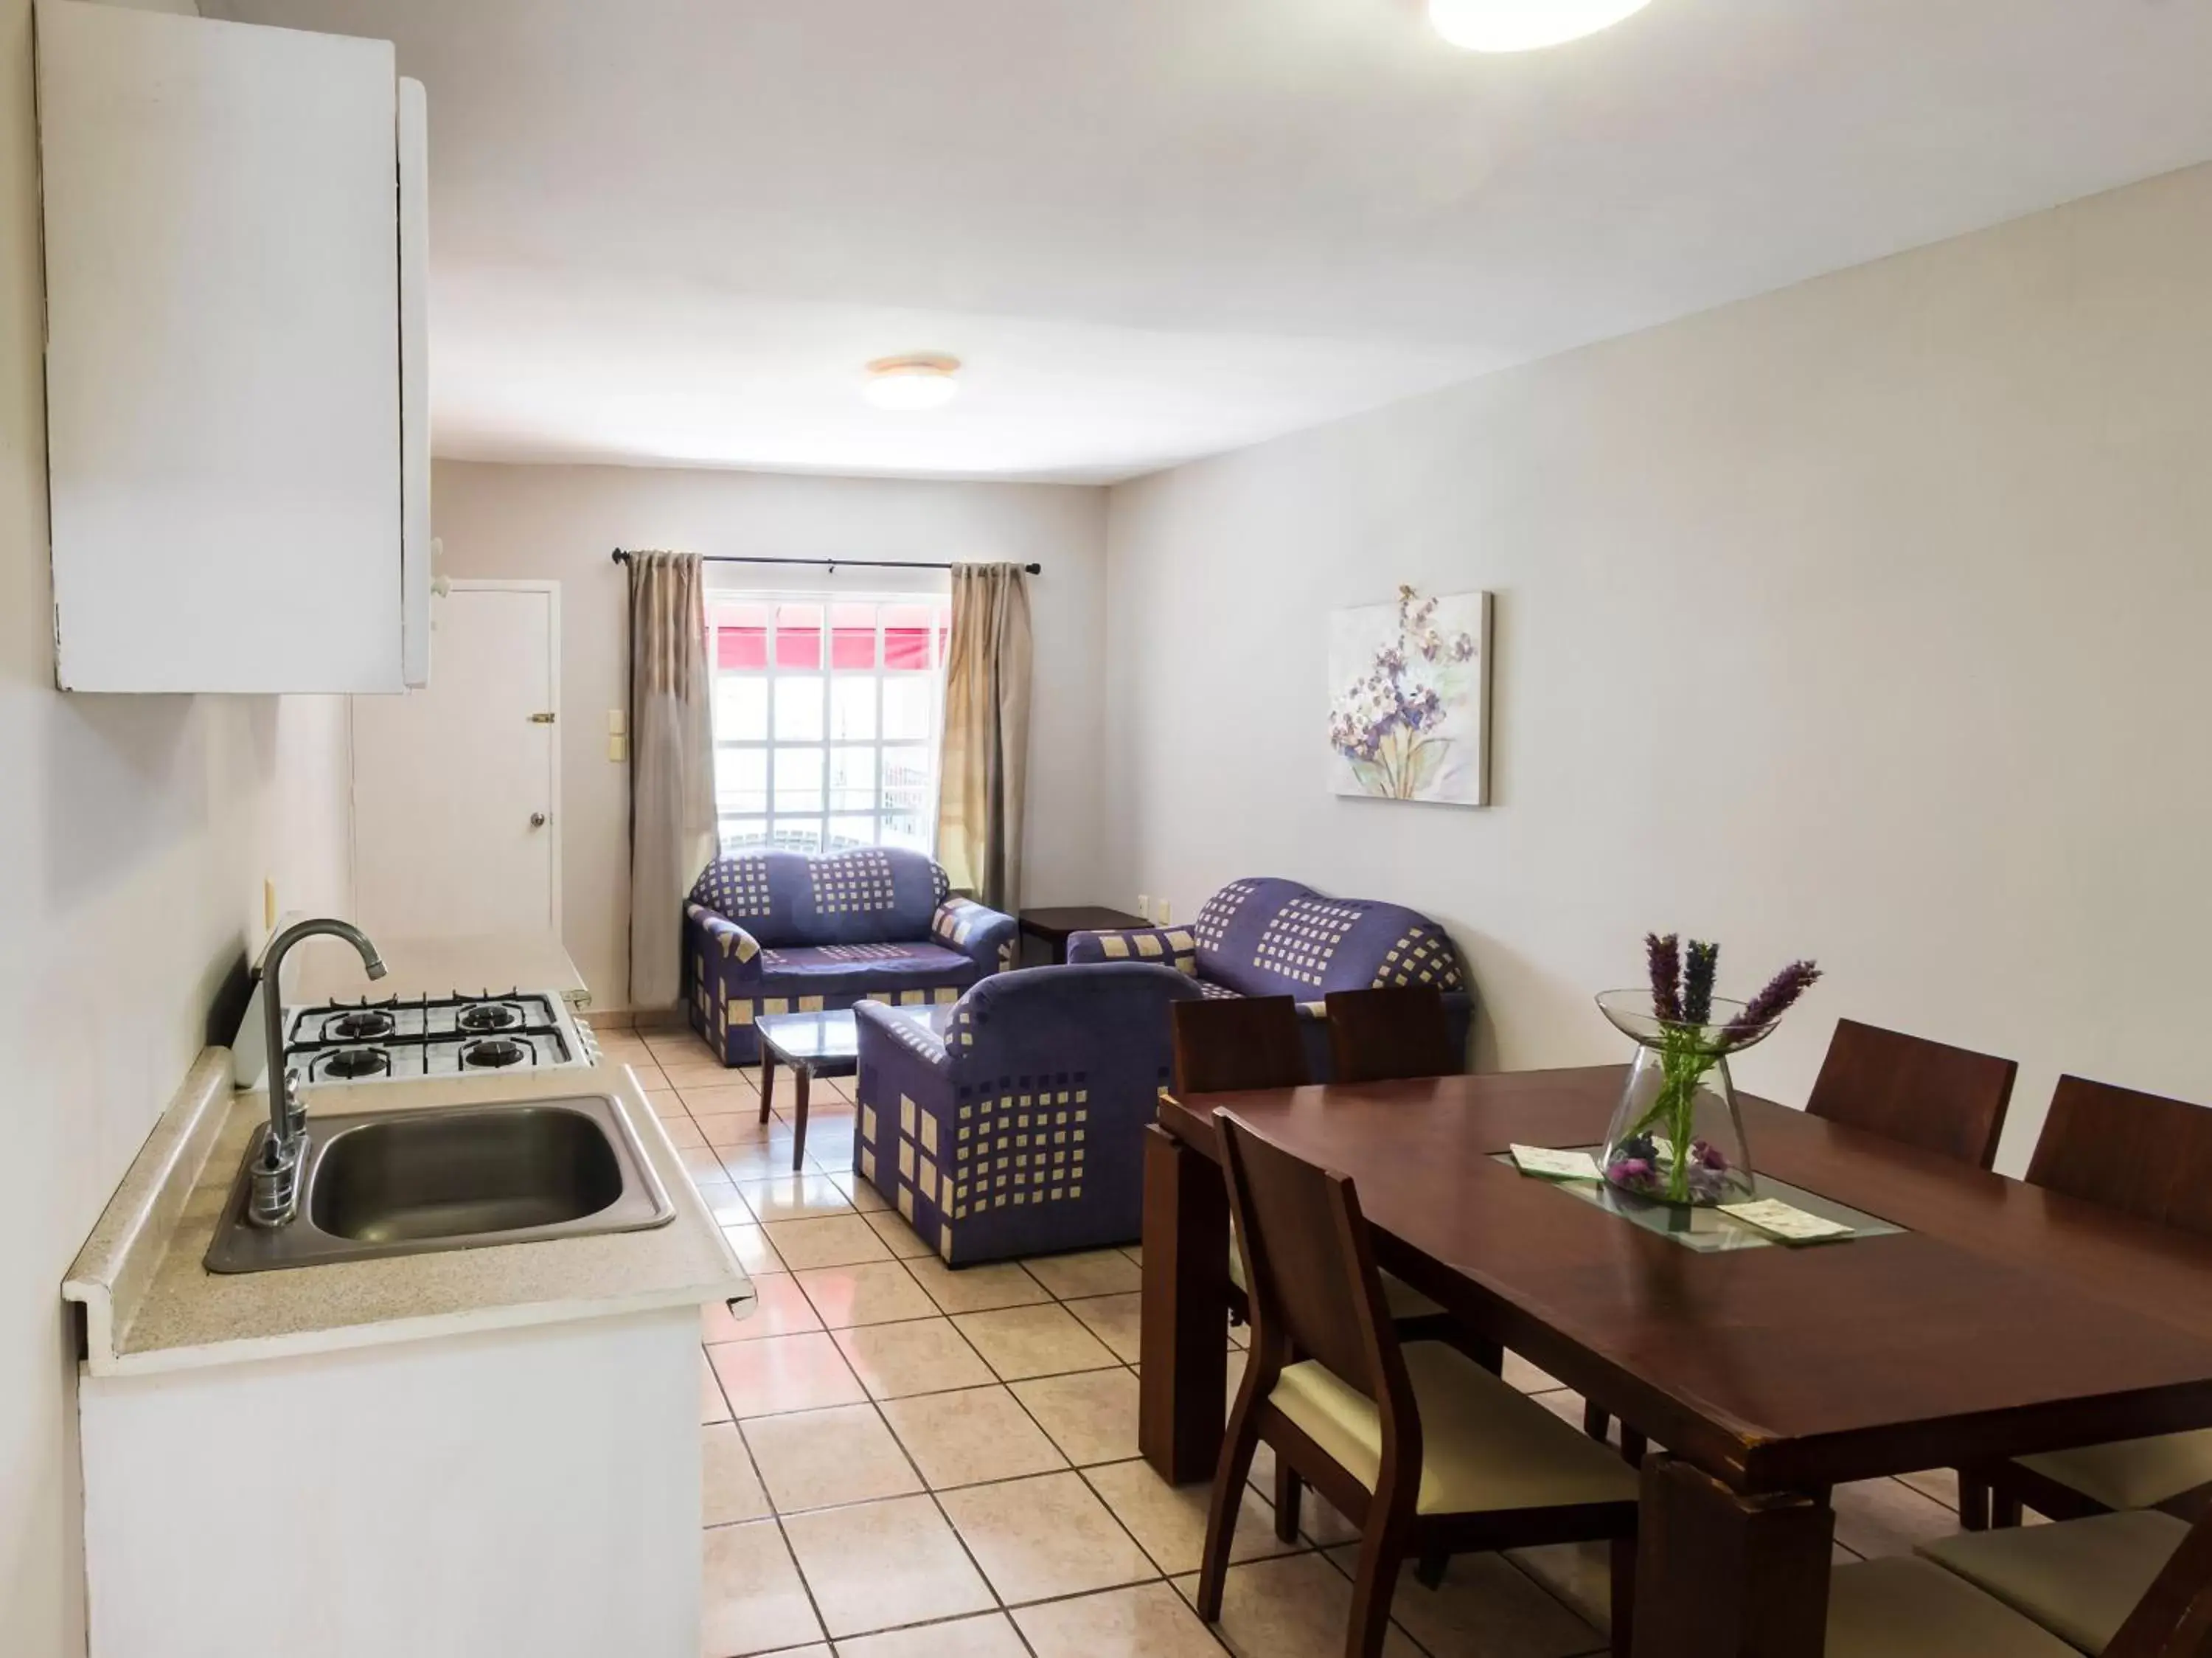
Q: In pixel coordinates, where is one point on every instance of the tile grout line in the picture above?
(1309, 1542)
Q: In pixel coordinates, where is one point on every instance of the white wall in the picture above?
(133, 840)
(563, 522)
(311, 854)
(1865, 621)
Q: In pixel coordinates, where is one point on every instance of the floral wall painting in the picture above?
(1409, 698)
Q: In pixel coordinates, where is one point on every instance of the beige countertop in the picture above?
(150, 1305)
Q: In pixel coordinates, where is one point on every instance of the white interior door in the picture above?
(456, 787)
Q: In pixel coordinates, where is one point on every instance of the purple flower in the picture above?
(1665, 956)
(1697, 982)
(1780, 994)
(1634, 1173)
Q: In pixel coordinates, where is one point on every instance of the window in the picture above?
(825, 719)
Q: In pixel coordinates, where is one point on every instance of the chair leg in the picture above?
(1434, 1564)
(1222, 1510)
(1595, 1421)
(1288, 1488)
(1633, 1446)
(1382, 1550)
(1974, 1496)
(1623, 1596)
(2004, 1510)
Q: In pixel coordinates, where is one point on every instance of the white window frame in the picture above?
(772, 600)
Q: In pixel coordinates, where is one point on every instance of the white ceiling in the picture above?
(672, 230)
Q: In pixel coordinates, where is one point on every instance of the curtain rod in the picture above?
(623, 557)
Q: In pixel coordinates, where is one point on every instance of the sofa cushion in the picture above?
(837, 969)
(1269, 937)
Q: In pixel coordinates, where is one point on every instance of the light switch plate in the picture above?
(1144, 906)
(1160, 913)
(618, 746)
(617, 723)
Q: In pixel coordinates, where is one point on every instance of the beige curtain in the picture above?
(672, 766)
(987, 733)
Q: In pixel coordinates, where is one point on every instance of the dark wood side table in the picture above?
(1054, 926)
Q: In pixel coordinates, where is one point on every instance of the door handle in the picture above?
(537, 820)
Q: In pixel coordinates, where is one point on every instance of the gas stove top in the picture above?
(457, 1035)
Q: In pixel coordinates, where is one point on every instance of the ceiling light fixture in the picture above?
(1524, 25)
(912, 382)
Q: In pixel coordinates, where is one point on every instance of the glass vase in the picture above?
(1677, 1136)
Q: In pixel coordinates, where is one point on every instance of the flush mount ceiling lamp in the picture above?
(912, 382)
(1524, 25)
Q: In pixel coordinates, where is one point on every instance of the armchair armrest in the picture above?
(724, 945)
(983, 935)
(909, 1036)
(1168, 947)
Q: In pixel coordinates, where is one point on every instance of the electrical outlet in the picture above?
(1160, 913)
(618, 746)
(1144, 907)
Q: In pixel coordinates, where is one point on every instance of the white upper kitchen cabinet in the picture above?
(236, 401)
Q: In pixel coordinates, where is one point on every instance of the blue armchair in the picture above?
(1012, 1124)
(1268, 937)
(784, 932)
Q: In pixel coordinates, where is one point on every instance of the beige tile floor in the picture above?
(902, 1461)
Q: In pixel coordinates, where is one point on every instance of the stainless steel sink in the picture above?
(457, 1177)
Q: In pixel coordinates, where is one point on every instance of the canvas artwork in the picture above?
(1409, 698)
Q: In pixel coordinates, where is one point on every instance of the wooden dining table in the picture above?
(2001, 1319)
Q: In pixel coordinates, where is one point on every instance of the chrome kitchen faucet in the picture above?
(276, 1195)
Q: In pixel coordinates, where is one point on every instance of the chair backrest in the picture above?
(1309, 1268)
(1926, 1093)
(2174, 1617)
(2142, 1154)
(1223, 1043)
(1074, 1051)
(875, 895)
(1402, 1030)
(1269, 937)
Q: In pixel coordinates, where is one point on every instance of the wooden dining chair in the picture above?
(1391, 1032)
(1226, 1044)
(1929, 1094)
(1426, 1452)
(2121, 1586)
(2151, 1158)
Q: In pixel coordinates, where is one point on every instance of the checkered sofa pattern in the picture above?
(1013, 1125)
(785, 932)
(1269, 937)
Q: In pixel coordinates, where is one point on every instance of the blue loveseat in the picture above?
(1269, 937)
(784, 932)
(1012, 1123)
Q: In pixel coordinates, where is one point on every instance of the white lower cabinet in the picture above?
(529, 1491)
(237, 424)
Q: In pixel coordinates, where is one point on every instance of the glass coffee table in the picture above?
(810, 1045)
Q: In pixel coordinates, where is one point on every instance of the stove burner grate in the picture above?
(489, 1016)
(360, 1027)
(494, 1051)
(357, 1062)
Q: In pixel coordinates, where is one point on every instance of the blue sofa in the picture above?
(1012, 1124)
(784, 932)
(1269, 937)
